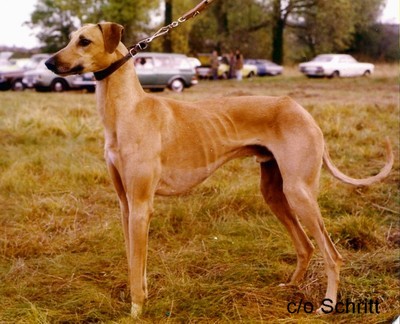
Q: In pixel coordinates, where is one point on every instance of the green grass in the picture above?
(216, 255)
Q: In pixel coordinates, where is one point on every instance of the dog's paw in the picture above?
(293, 285)
(323, 311)
(136, 311)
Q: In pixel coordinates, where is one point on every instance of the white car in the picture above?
(335, 65)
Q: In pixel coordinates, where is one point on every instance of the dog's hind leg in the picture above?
(300, 177)
(272, 191)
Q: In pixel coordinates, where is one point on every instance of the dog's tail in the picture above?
(383, 173)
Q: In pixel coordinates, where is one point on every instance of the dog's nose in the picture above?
(51, 64)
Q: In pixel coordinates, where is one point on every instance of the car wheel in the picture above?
(59, 85)
(91, 89)
(251, 74)
(335, 74)
(42, 89)
(177, 85)
(367, 73)
(156, 89)
(5, 86)
(17, 85)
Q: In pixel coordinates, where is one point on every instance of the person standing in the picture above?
(239, 65)
(232, 64)
(214, 65)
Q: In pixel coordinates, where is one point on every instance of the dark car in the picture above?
(265, 67)
(157, 71)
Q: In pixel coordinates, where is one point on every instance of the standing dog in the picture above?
(159, 146)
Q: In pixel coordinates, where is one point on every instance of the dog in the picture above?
(160, 146)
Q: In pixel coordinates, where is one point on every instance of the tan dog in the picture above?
(159, 146)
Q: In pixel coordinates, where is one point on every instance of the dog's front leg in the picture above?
(139, 219)
(123, 202)
(135, 223)
(140, 192)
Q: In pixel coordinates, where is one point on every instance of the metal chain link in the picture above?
(144, 43)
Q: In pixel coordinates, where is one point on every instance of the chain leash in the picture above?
(144, 43)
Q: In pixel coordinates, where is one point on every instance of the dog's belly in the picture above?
(179, 181)
(178, 178)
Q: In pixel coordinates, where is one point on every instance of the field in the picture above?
(216, 255)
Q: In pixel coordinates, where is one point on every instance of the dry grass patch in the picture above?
(216, 255)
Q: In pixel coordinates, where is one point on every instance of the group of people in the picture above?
(236, 63)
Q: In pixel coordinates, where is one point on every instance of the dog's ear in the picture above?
(112, 34)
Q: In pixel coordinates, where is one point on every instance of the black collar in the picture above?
(102, 74)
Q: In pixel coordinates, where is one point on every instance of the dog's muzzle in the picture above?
(53, 65)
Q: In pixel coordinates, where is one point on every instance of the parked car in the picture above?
(12, 71)
(335, 65)
(42, 79)
(157, 71)
(265, 67)
(84, 81)
(10, 75)
(205, 72)
(194, 62)
(4, 57)
(249, 70)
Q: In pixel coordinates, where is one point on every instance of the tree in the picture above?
(167, 43)
(134, 15)
(279, 18)
(330, 26)
(379, 41)
(56, 19)
(228, 25)
(177, 40)
(260, 28)
(320, 25)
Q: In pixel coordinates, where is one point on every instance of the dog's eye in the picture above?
(84, 42)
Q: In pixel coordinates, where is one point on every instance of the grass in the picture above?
(216, 255)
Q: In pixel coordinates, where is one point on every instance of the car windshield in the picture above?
(323, 58)
(31, 64)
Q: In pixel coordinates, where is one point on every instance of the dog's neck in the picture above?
(122, 86)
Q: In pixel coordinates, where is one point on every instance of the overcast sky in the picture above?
(15, 12)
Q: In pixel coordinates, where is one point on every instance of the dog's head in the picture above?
(91, 48)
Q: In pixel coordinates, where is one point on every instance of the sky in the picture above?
(14, 13)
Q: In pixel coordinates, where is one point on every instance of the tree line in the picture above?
(281, 30)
